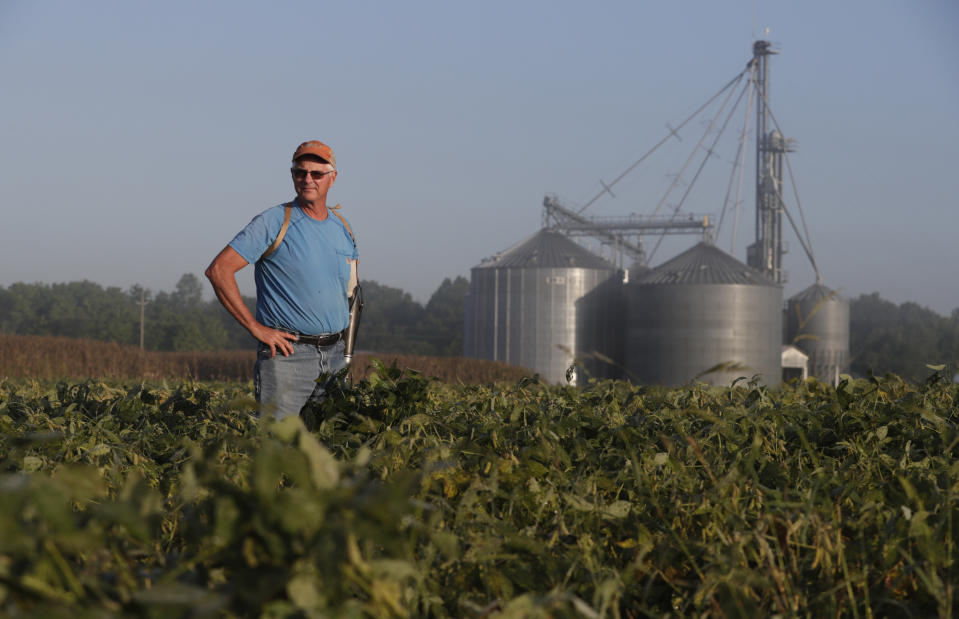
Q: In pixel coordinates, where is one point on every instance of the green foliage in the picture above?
(444, 316)
(183, 321)
(390, 315)
(174, 321)
(403, 496)
(394, 323)
(82, 309)
(900, 339)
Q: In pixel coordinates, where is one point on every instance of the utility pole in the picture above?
(142, 305)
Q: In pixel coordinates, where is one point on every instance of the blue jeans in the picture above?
(283, 385)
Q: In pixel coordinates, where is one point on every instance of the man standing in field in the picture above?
(305, 267)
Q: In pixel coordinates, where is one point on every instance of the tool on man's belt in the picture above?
(356, 309)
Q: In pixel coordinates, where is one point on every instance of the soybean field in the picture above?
(409, 497)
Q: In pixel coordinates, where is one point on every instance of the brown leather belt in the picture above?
(319, 340)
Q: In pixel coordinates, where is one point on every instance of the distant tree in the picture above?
(6, 309)
(105, 314)
(182, 321)
(443, 324)
(174, 321)
(901, 339)
(237, 338)
(389, 317)
(188, 293)
(27, 310)
(198, 331)
(77, 309)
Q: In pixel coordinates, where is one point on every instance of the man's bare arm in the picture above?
(222, 274)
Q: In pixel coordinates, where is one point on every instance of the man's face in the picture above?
(312, 178)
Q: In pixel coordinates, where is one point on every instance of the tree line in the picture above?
(884, 337)
(183, 320)
(901, 339)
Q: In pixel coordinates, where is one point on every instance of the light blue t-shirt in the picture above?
(302, 285)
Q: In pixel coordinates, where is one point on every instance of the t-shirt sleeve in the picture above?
(256, 237)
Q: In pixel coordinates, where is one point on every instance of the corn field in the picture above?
(55, 358)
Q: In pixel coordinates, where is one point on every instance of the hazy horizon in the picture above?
(140, 138)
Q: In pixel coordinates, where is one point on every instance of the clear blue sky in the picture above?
(137, 138)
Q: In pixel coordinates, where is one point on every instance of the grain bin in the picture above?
(522, 303)
(704, 316)
(817, 322)
(599, 331)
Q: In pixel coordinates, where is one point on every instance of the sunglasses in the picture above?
(299, 173)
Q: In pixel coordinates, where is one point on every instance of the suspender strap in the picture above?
(336, 211)
(288, 208)
(354, 280)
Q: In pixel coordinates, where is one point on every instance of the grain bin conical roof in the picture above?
(546, 249)
(704, 264)
(814, 294)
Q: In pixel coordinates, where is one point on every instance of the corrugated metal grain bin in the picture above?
(703, 316)
(817, 322)
(523, 303)
(599, 331)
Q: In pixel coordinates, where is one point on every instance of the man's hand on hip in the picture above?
(276, 340)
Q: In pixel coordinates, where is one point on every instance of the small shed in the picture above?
(795, 363)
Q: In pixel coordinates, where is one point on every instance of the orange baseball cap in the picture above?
(317, 149)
